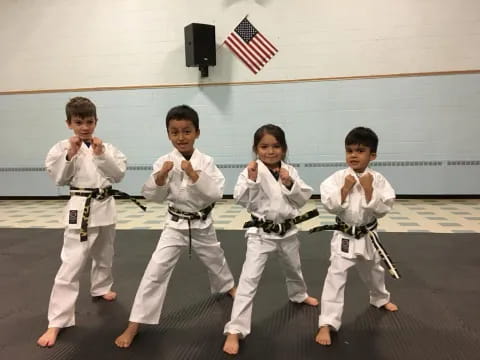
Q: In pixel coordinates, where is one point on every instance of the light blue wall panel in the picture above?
(431, 118)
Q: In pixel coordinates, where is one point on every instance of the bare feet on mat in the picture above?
(126, 338)
(232, 292)
(390, 307)
(232, 345)
(49, 337)
(109, 296)
(323, 336)
(311, 301)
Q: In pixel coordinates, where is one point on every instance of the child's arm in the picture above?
(247, 190)
(207, 184)
(382, 195)
(334, 193)
(156, 186)
(60, 161)
(110, 162)
(296, 191)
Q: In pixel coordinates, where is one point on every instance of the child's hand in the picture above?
(161, 176)
(75, 144)
(252, 169)
(350, 181)
(366, 181)
(97, 146)
(188, 169)
(285, 177)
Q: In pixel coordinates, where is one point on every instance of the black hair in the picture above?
(183, 112)
(362, 136)
(275, 131)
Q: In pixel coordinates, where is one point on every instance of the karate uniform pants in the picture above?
(258, 249)
(74, 255)
(148, 303)
(372, 274)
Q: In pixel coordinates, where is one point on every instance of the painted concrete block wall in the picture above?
(62, 44)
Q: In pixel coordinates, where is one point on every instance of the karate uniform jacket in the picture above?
(355, 210)
(268, 199)
(181, 193)
(86, 170)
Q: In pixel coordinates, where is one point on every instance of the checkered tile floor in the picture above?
(412, 215)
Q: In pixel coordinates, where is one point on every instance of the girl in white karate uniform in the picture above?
(83, 161)
(273, 193)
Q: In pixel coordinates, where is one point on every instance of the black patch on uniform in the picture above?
(345, 244)
(72, 217)
(175, 217)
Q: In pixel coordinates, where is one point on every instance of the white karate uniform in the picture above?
(182, 194)
(346, 251)
(88, 171)
(267, 198)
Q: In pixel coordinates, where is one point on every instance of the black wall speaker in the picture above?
(200, 45)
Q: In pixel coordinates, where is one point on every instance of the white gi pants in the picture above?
(75, 253)
(258, 250)
(372, 274)
(148, 303)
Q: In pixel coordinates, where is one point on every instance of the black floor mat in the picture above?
(438, 296)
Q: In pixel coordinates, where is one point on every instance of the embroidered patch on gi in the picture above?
(345, 244)
(72, 217)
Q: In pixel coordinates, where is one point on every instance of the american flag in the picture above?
(250, 46)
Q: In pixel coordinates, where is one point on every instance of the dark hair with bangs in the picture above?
(275, 131)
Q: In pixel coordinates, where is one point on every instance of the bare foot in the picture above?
(232, 292)
(49, 337)
(311, 301)
(126, 338)
(231, 345)
(323, 336)
(110, 296)
(390, 307)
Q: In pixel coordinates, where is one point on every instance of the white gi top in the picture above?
(87, 170)
(181, 193)
(269, 199)
(355, 210)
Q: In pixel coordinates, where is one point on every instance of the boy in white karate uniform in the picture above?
(89, 166)
(191, 183)
(358, 196)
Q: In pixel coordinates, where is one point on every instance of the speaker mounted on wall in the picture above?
(200, 47)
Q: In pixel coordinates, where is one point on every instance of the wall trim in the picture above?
(266, 82)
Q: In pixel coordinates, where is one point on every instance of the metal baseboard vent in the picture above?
(326, 164)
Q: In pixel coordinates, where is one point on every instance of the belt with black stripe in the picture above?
(97, 194)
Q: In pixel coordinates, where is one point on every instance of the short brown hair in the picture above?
(80, 106)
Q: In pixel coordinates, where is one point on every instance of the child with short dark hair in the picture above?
(191, 183)
(90, 167)
(358, 196)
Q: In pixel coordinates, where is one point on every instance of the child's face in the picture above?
(83, 127)
(358, 156)
(270, 151)
(182, 134)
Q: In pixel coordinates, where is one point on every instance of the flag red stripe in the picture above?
(247, 48)
(241, 49)
(240, 56)
(268, 42)
(258, 51)
(262, 48)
